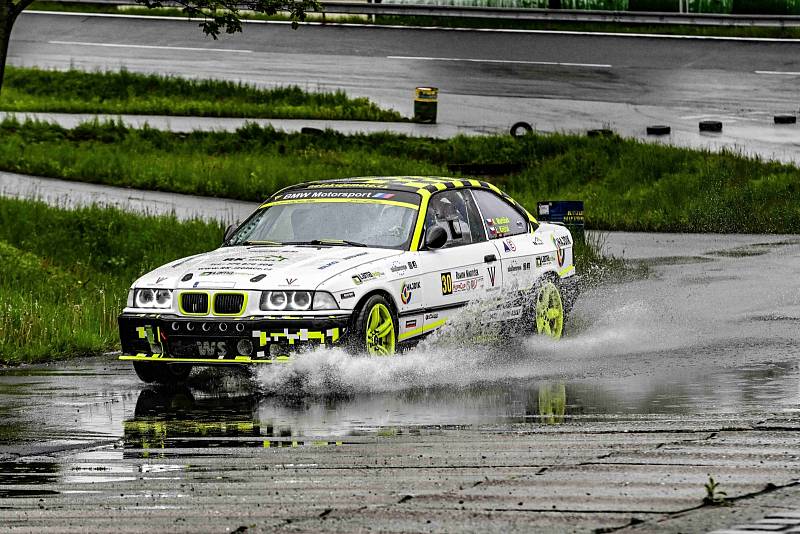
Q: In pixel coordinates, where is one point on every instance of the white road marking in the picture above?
(436, 28)
(150, 47)
(777, 73)
(503, 61)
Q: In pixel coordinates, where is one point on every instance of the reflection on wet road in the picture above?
(662, 381)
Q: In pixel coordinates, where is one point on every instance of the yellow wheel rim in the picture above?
(380, 331)
(549, 311)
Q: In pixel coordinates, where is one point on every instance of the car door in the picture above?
(467, 267)
(509, 229)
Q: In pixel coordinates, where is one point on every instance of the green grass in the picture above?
(453, 22)
(627, 185)
(66, 273)
(124, 92)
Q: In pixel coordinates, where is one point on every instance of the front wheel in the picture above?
(549, 310)
(161, 372)
(375, 328)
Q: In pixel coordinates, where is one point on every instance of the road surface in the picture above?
(488, 79)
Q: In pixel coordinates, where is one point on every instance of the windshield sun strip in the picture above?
(341, 200)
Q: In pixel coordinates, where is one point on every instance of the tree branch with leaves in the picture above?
(216, 16)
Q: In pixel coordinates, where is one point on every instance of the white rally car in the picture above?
(372, 263)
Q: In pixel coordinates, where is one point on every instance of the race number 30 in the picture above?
(447, 283)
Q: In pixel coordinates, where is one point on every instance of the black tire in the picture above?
(357, 335)
(710, 126)
(308, 130)
(785, 119)
(162, 373)
(659, 129)
(600, 132)
(521, 125)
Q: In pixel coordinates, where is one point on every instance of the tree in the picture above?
(215, 16)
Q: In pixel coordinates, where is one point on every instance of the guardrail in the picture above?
(536, 15)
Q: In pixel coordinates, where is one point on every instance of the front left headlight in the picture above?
(152, 298)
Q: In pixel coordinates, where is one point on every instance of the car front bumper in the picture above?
(167, 338)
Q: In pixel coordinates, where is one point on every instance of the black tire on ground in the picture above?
(162, 373)
(710, 126)
(523, 126)
(785, 119)
(600, 132)
(357, 334)
(659, 129)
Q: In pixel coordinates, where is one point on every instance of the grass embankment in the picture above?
(66, 273)
(124, 92)
(627, 185)
(453, 22)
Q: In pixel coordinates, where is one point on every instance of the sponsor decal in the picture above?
(329, 264)
(348, 295)
(411, 323)
(505, 314)
(431, 316)
(329, 194)
(258, 278)
(509, 246)
(398, 267)
(517, 267)
(217, 273)
(354, 256)
(366, 277)
(471, 284)
(212, 348)
(290, 281)
(499, 225)
(160, 279)
(559, 242)
(492, 275)
(542, 261)
(406, 292)
(537, 241)
(412, 264)
(447, 283)
(563, 241)
(469, 273)
(384, 196)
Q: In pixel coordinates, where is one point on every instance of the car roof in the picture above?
(413, 184)
(404, 183)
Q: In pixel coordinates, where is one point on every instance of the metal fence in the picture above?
(533, 14)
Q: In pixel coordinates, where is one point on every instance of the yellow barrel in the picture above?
(425, 104)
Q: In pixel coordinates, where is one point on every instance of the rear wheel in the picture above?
(375, 329)
(549, 310)
(161, 372)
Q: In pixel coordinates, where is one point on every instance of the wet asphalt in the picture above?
(665, 379)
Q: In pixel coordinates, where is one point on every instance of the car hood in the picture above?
(261, 267)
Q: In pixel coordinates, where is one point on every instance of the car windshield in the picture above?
(372, 223)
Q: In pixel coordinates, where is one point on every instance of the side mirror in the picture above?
(435, 237)
(228, 233)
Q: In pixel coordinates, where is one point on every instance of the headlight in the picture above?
(152, 298)
(324, 301)
(296, 301)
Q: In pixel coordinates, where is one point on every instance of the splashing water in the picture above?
(606, 324)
